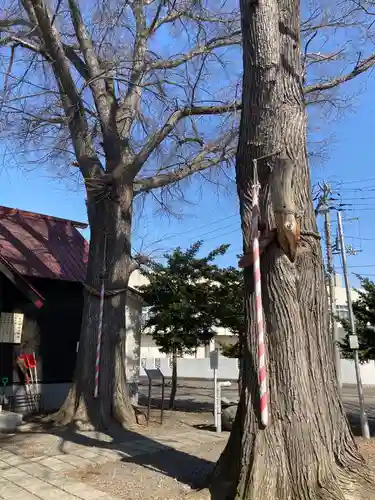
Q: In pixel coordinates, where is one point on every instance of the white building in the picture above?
(199, 367)
(149, 348)
(342, 305)
(223, 336)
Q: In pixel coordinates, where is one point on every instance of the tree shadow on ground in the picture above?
(134, 446)
(131, 447)
(353, 416)
(182, 405)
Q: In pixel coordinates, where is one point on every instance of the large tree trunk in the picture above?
(307, 451)
(110, 220)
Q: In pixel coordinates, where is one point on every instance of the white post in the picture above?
(218, 418)
(214, 364)
(215, 397)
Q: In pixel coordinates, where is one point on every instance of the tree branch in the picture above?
(214, 43)
(174, 15)
(77, 62)
(9, 23)
(202, 161)
(130, 105)
(73, 106)
(158, 137)
(70, 53)
(17, 40)
(103, 101)
(360, 67)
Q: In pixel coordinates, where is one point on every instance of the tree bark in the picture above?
(307, 452)
(172, 396)
(110, 219)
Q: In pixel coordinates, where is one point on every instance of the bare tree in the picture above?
(136, 96)
(125, 85)
(307, 450)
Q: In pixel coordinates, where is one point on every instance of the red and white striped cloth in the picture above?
(99, 341)
(262, 375)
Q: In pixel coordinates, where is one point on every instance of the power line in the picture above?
(364, 265)
(360, 209)
(361, 189)
(200, 236)
(175, 235)
(225, 234)
(360, 238)
(354, 181)
(187, 231)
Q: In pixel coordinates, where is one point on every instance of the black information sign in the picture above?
(156, 375)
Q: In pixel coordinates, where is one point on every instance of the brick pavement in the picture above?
(36, 470)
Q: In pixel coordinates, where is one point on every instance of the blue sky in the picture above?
(211, 214)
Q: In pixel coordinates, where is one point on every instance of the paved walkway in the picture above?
(34, 467)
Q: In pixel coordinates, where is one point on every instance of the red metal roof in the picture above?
(43, 246)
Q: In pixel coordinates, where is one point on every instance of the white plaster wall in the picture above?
(348, 373)
(198, 368)
(133, 344)
(340, 295)
(137, 279)
(150, 350)
(228, 369)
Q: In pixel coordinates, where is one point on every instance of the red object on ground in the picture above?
(30, 360)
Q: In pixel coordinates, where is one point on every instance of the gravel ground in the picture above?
(171, 475)
(168, 475)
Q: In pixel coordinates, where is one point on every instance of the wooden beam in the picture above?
(21, 283)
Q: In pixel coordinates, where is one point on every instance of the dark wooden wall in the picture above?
(57, 328)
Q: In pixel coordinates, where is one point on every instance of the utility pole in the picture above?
(324, 208)
(354, 340)
(332, 297)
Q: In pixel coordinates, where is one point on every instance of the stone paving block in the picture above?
(43, 488)
(60, 481)
(37, 470)
(12, 459)
(3, 465)
(10, 491)
(74, 461)
(46, 491)
(37, 459)
(83, 453)
(56, 494)
(56, 465)
(83, 491)
(140, 447)
(111, 455)
(4, 456)
(102, 459)
(14, 474)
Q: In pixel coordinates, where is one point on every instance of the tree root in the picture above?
(90, 415)
(290, 462)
